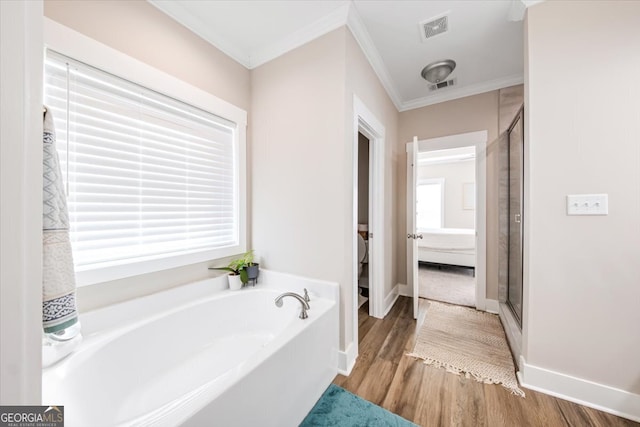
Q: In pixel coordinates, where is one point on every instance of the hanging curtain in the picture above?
(59, 313)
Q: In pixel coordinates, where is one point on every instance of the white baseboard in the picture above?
(391, 299)
(492, 306)
(403, 289)
(346, 360)
(598, 396)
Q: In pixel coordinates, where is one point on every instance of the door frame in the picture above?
(21, 60)
(478, 139)
(366, 123)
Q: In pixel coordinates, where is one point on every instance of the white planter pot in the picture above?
(235, 283)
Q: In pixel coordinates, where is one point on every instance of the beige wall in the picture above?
(302, 106)
(299, 168)
(140, 30)
(455, 176)
(473, 113)
(582, 274)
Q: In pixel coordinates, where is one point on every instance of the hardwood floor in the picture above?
(432, 397)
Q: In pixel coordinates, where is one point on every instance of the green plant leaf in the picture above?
(244, 277)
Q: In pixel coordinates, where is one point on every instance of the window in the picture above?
(152, 182)
(430, 203)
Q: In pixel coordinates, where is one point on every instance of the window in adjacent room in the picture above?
(430, 203)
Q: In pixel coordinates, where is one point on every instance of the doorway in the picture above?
(445, 222)
(366, 124)
(364, 208)
(471, 196)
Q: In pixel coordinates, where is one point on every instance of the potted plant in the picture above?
(252, 268)
(237, 273)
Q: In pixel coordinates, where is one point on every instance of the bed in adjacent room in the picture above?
(451, 246)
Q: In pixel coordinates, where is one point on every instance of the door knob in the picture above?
(419, 236)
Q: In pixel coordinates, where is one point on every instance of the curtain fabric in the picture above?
(58, 277)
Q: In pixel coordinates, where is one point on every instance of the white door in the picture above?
(412, 235)
(479, 140)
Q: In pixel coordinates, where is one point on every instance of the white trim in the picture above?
(78, 46)
(348, 15)
(492, 306)
(343, 15)
(21, 64)
(365, 122)
(329, 22)
(403, 290)
(391, 299)
(479, 140)
(588, 393)
(322, 26)
(453, 141)
(360, 33)
(177, 12)
(347, 359)
(85, 49)
(461, 92)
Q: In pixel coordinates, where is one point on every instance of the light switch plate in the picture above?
(588, 204)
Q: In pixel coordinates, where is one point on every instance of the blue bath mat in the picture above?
(337, 407)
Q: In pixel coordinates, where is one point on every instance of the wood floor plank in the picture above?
(431, 397)
(375, 384)
(435, 407)
(406, 384)
(469, 407)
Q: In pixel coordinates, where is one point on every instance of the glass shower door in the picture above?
(516, 178)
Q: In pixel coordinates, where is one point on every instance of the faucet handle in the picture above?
(306, 295)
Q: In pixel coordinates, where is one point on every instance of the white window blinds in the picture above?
(147, 176)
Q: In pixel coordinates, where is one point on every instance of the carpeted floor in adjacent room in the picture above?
(447, 283)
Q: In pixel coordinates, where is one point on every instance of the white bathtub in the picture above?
(193, 356)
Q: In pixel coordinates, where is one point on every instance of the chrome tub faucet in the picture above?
(305, 304)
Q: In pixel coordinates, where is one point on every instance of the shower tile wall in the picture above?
(511, 99)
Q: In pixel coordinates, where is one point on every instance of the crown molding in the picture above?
(322, 26)
(254, 59)
(461, 92)
(344, 15)
(360, 33)
(194, 24)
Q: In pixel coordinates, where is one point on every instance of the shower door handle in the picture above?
(517, 218)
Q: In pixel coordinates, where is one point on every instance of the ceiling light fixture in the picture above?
(438, 71)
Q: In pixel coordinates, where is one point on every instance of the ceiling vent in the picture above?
(443, 84)
(433, 27)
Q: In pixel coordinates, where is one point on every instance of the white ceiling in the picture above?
(487, 47)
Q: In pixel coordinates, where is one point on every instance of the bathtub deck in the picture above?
(432, 397)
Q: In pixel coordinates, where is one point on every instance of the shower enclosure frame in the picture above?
(516, 199)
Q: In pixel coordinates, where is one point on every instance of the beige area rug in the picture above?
(455, 285)
(463, 340)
